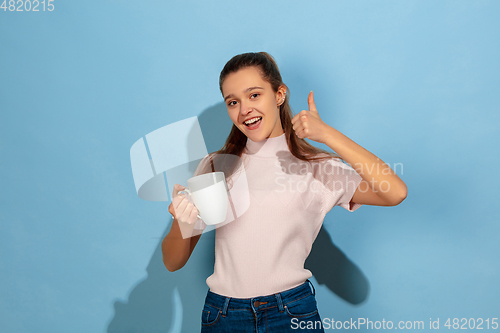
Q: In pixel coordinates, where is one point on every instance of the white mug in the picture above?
(208, 192)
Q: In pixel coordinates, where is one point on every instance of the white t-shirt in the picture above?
(264, 250)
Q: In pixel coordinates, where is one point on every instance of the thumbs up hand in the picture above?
(308, 124)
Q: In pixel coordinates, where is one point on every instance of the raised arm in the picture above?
(380, 185)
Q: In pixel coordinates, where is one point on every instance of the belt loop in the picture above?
(314, 290)
(224, 308)
(280, 302)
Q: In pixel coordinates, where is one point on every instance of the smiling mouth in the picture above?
(251, 123)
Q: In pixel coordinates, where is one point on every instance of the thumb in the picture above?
(177, 189)
(310, 101)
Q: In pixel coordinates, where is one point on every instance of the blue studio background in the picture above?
(414, 82)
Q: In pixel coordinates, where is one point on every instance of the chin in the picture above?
(253, 137)
(257, 137)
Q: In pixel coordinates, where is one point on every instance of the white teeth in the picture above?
(253, 120)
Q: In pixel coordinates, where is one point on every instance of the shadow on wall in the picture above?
(172, 301)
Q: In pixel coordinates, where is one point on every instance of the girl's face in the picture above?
(252, 104)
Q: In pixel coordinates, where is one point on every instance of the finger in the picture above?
(183, 214)
(194, 215)
(297, 123)
(310, 101)
(181, 207)
(298, 130)
(177, 189)
(299, 118)
(298, 127)
(177, 200)
(186, 215)
(171, 210)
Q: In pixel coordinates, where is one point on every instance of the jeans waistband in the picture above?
(257, 303)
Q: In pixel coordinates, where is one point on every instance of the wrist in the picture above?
(330, 136)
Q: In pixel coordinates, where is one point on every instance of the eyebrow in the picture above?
(247, 90)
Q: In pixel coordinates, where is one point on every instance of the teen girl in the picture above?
(259, 282)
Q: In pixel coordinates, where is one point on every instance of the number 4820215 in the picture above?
(27, 5)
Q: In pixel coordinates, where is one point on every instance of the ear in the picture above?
(280, 94)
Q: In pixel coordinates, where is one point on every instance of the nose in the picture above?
(245, 109)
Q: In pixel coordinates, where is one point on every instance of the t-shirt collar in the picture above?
(267, 147)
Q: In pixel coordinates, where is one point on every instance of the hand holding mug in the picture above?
(181, 208)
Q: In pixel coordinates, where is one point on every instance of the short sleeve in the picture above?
(340, 181)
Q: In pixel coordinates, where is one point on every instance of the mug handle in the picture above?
(187, 193)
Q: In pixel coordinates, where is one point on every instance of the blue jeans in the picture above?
(292, 310)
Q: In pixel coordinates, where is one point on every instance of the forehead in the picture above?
(237, 82)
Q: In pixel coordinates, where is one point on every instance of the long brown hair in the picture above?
(236, 141)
